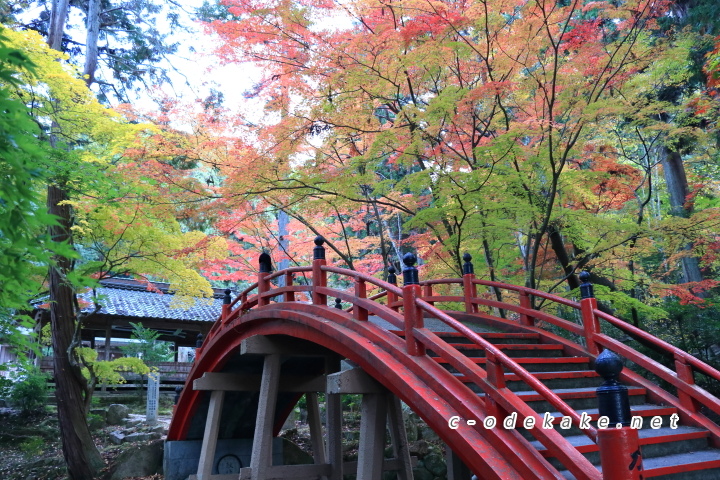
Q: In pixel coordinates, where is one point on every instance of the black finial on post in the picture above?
(410, 273)
(227, 299)
(392, 278)
(199, 341)
(178, 391)
(338, 304)
(319, 250)
(265, 263)
(586, 288)
(612, 396)
(468, 266)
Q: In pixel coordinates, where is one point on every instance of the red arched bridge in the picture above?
(510, 386)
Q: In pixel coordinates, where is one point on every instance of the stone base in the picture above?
(182, 457)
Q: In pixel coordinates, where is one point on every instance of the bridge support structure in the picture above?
(380, 411)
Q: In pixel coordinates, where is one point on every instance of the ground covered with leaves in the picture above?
(30, 447)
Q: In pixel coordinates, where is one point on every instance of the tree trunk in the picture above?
(677, 186)
(82, 457)
(91, 43)
(58, 17)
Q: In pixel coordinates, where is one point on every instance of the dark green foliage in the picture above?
(148, 347)
(134, 39)
(695, 330)
(210, 11)
(29, 392)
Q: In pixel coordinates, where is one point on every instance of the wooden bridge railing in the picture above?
(405, 308)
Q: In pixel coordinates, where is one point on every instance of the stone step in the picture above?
(534, 364)
(645, 411)
(514, 350)
(492, 337)
(653, 443)
(696, 465)
(554, 379)
(576, 398)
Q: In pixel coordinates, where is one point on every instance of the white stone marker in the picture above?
(153, 397)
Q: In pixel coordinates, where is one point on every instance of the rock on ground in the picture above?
(139, 461)
(116, 413)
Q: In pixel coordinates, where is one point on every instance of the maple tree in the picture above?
(463, 119)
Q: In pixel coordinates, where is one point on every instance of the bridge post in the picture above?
(588, 304)
(198, 345)
(685, 373)
(289, 296)
(263, 272)
(210, 437)
(261, 459)
(319, 276)
(525, 302)
(391, 296)
(428, 292)
(469, 288)
(360, 313)
(619, 445)
(315, 425)
(227, 300)
(412, 313)
(496, 376)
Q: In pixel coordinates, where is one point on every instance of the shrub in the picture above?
(33, 446)
(29, 392)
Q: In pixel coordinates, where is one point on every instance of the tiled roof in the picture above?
(128, 298)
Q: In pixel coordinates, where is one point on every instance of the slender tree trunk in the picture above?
(558, 246)
(81, 455)
(677, 186)
(93, 33)
(58, 17)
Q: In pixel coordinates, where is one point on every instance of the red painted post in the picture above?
(620, 455)
(428, 292)
(412, 313)
(496, 377)
(289, 296)
(525, 302)
(319, 276)
(225, 313)
(360, 313)
(413, 319)
(588, 305)
(685, 373)
(391, 296)
(469, 288)
(495, 372)
(198, 346)
(618, 443)
(263, 283)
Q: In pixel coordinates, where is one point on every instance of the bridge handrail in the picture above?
(388, 287)
(685, 364)
(682, 378)
(538, 314)
(511, 364)
(506, 286)
(677, 353)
